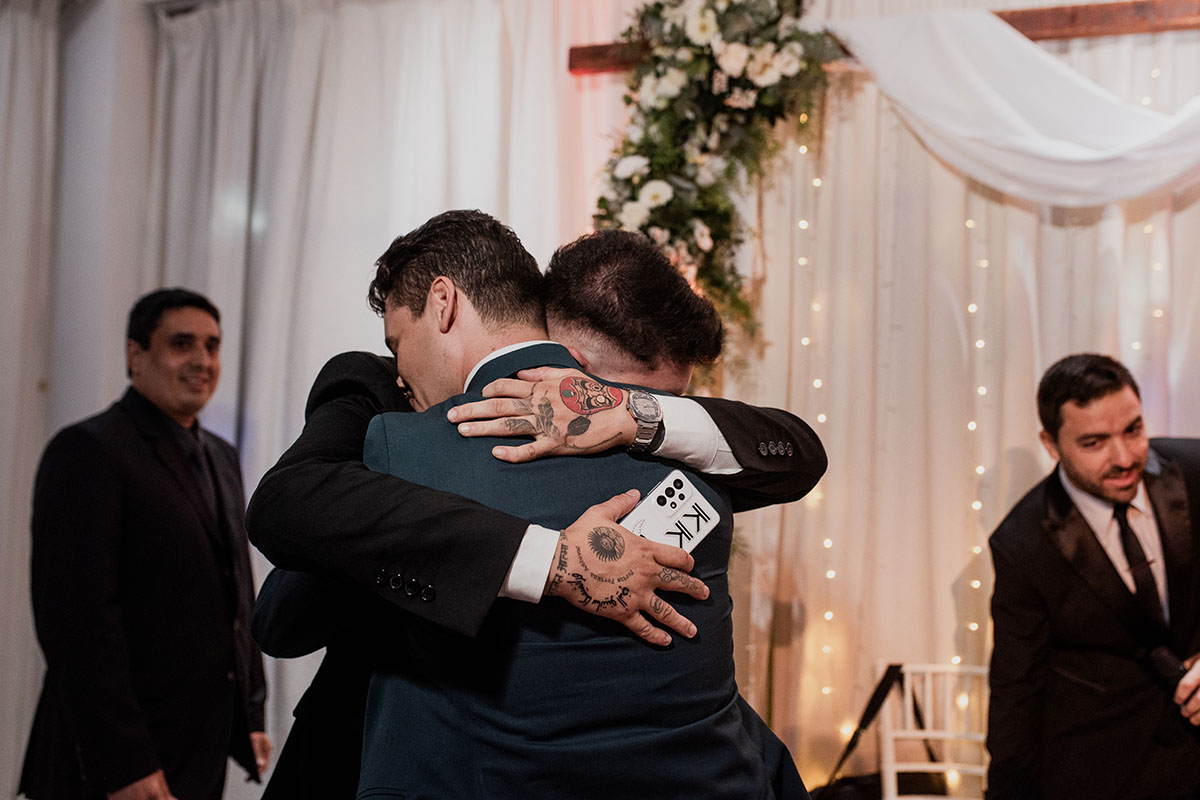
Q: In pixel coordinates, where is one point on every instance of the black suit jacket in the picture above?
(142, 601)
(1077, 710)
(298, 520)
(291, 512)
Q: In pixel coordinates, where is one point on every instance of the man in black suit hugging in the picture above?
(142, 591)
(775, 458)
(1096, 608)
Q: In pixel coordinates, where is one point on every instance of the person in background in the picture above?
(1096, 607)
(141, 584)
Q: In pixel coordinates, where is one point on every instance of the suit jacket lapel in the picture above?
(149, 422)
(1168, 496)
(1074, 538)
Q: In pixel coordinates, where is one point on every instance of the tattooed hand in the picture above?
(605, 570)
(565, 411)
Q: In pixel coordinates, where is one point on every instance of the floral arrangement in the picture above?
(716, 78)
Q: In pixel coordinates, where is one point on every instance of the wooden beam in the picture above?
(589, 59)
(1057, 22)
(1105, 19)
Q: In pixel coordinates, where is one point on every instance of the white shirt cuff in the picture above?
(691, 437)
(526, 578)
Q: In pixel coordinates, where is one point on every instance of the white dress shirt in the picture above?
(1098, 513)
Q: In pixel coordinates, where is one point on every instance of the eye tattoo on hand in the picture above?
(607, 543)
(587, 396)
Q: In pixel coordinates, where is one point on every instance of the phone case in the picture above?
(674, 513)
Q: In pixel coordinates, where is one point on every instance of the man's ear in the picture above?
(443, 302)
(584, 364)
(132, 350)
(1050, 445)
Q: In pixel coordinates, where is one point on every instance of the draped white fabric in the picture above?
(962, 82)
(28, 74)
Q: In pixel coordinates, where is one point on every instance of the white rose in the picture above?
(683, 55)
(722, 5)
(635, 132)
(629, 166)
(710, 169)
(702, 235)
(701, 27)
(762, 70)
(660, 235)
(648, 91)
(733, 58)
(789, 60)
(654, 194)
(633, 215)
(672, 83)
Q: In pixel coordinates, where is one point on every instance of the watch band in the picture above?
(647, 413)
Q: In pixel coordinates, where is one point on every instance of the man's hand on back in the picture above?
(565, 411)
(605, 570)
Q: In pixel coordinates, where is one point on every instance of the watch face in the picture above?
(645, 406)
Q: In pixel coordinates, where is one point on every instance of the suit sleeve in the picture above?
(782, 459)
(319, 509)
(1017, 681)
(76, 529)
(298, 613)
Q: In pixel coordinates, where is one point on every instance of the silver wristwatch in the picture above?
(647, 413)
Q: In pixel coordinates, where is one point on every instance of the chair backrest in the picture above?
(940, 710)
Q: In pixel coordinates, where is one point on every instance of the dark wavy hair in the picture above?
(148, 310)
(483, 257)
(618, 284)
(1079, 378)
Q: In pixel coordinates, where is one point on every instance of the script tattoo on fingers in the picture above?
(657, 605)
(668, 575)
(587, 396)
(607, 543)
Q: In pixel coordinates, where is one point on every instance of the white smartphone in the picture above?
(674, 513)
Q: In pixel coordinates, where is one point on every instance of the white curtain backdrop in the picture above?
(295, 138)
(910, 311)
(28, 77)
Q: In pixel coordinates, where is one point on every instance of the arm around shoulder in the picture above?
(782, 457)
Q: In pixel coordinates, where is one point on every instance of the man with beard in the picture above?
(1096, 607)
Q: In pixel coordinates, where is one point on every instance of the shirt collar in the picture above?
(1097, 511)
(502, 351)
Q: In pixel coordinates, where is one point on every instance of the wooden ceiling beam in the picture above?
(1057, 22)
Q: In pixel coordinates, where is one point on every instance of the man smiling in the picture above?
(1096, 609)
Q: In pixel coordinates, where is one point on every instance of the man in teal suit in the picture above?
(516, 711)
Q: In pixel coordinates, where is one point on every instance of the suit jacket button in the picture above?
(396, 582)
(762, 448)
(381, 577)
(412, 587)
(773, 448)
(789, 448)
(229, 676)
(428, 593)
